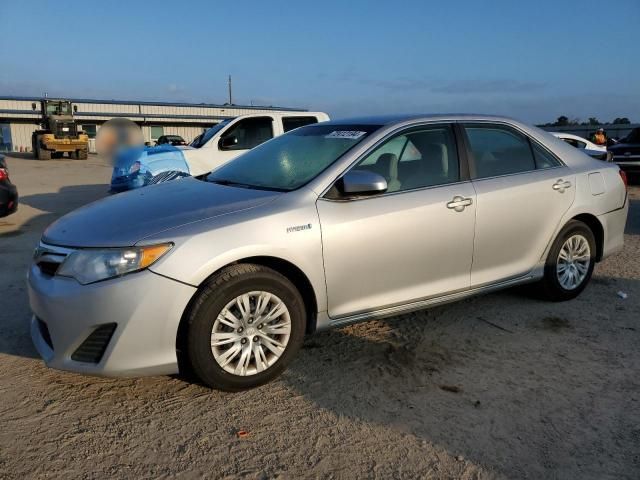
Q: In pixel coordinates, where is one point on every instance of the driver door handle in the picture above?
(459, 203)
(561, 185)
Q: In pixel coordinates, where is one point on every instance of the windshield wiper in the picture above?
(229, 182)
(245, 185)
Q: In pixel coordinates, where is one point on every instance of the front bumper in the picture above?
(64, 144)
(146, 308)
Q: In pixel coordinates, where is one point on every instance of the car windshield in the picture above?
(291, 160)
(633, 137)
(203, 138)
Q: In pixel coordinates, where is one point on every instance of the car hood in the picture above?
(126, 218)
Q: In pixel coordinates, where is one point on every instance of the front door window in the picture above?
(249, 133)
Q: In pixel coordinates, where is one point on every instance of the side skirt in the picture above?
(427, 303)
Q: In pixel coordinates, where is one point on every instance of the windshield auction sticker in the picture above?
(348, 134)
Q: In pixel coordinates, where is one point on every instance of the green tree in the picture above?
(593, 121)
(621, 121)
(562, 121)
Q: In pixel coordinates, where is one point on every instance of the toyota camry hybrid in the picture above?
(329, 224)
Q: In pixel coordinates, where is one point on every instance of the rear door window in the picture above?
(498, 150)
(290, 123)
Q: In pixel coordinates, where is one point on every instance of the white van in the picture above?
(231, 137)
(137, 168)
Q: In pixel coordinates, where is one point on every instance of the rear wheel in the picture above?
(244, 328)
(570, 262)
(82, 154)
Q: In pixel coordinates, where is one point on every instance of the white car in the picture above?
(135, 168)
(598, 152)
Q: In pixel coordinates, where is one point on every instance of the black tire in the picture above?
(550, 286)
(218, 291)
(44, 154)
(83, 154)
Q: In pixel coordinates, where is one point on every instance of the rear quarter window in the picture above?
(291, 123)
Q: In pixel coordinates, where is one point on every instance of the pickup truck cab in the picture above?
(141, 166)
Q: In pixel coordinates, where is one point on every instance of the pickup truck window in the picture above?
(249, 133)
(289, 123)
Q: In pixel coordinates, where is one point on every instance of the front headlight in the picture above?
(93, 265)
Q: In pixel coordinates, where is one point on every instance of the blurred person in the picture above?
(600, 138)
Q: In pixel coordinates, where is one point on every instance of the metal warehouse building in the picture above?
(19, 117)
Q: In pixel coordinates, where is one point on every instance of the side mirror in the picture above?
(228, 142)
(75, 109)
(33, 106)
(362, 182)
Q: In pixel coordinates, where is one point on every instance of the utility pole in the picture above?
(230, 96)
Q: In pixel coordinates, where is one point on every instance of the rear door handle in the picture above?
(561, 185)
(459, 203)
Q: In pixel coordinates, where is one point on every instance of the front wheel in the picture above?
(244, 327)
(570, 262)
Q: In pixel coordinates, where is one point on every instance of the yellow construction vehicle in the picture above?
(59, 134)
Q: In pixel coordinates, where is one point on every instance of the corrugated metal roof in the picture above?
(159, 103)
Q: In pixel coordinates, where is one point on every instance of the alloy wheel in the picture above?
(251, 333)
(573, 262)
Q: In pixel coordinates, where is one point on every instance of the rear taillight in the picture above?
(623, 176)
(4, 175)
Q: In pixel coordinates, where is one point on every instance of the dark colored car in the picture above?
(626, 153)
(175, 140)
(8, 191)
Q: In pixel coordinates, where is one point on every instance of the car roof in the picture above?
(281, 114)
(401, 118)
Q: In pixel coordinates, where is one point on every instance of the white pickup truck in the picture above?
(143, 166)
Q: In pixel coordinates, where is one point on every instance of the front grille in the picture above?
(44, 331)
(93, 348)
(48, 258)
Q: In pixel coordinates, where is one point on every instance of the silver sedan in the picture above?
(327, 225)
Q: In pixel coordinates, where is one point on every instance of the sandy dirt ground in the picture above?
(499, 386)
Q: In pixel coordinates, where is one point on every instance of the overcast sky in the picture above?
(532, 60)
